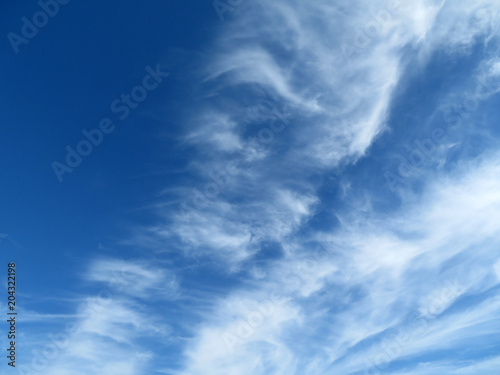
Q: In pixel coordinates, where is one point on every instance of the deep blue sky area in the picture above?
(62, 82)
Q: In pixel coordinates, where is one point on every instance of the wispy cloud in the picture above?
(427, 260)
(104, 333)
(393, 284)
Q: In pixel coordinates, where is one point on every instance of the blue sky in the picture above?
(294, 187)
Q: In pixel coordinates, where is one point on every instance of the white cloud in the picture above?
(139, 279)
(384, 268)
(335, 310)
(399, 265)
(102, 337)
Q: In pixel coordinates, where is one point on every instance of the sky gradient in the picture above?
(252, 187)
